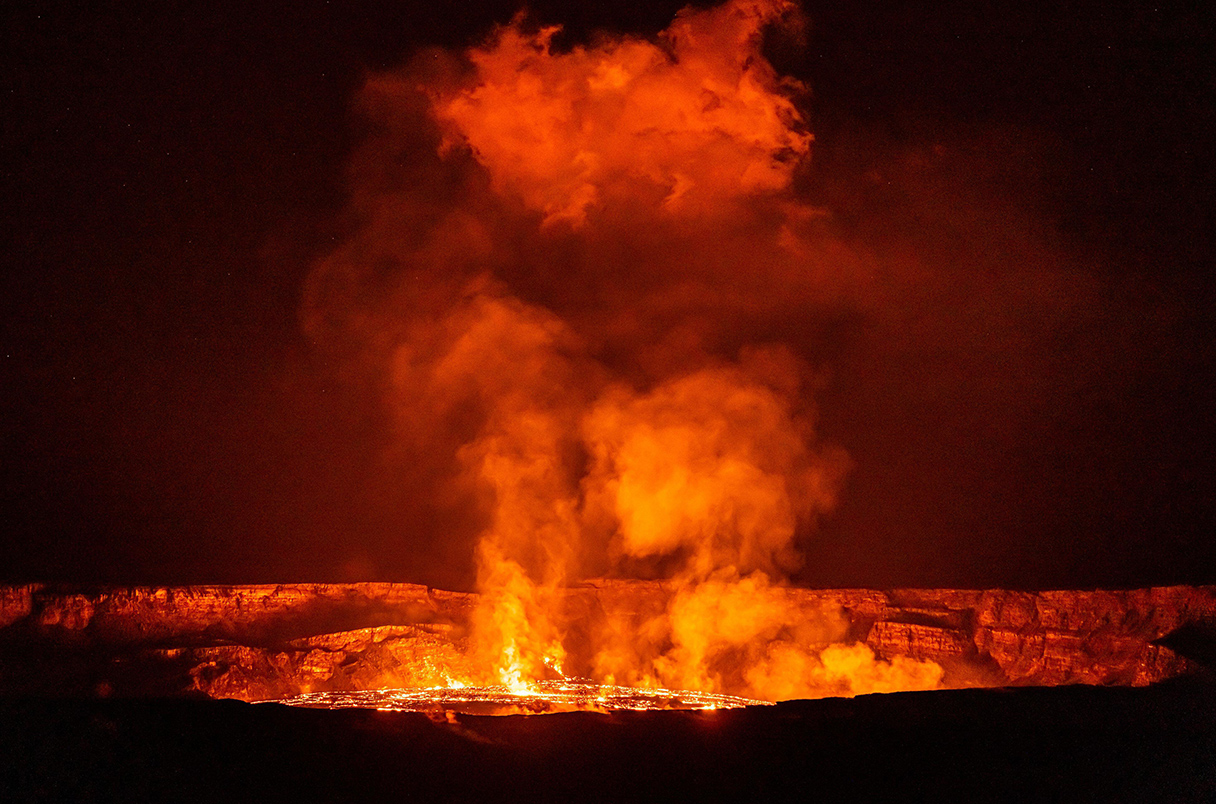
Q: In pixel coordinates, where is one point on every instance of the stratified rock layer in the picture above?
(271, 641)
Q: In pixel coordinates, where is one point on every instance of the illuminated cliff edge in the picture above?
(274, 641)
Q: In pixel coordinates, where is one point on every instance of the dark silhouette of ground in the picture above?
(1033, 744)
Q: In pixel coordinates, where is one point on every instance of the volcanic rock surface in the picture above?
(272, 641)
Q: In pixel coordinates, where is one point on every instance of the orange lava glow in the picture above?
(544, 697)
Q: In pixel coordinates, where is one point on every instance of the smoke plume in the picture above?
(587, 286)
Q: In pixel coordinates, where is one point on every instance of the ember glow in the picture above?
(570, 333)
(540, 698)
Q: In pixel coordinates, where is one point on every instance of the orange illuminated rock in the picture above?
(16, 603)
(260, 642)
(247, 613)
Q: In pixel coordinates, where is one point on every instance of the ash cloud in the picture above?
(547, 245)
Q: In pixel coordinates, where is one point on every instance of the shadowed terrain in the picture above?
(1073, 743)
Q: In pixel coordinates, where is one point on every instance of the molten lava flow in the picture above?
(623, 202)
(541, 697)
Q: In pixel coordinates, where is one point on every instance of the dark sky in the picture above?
(171, 172)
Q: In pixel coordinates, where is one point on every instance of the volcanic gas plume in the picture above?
(568, 268)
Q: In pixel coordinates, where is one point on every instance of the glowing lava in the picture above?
(541, 697)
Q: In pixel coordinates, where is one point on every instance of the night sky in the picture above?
(171, 173)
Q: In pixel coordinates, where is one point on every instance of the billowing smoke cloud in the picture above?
(688, 125)
(598, 308)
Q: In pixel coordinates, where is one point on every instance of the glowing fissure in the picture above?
(694, 466)
(543, 696)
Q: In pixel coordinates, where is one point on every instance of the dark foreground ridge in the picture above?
(1076, 743)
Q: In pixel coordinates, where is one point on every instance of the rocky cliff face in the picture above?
(252, 614)
(268, 641)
